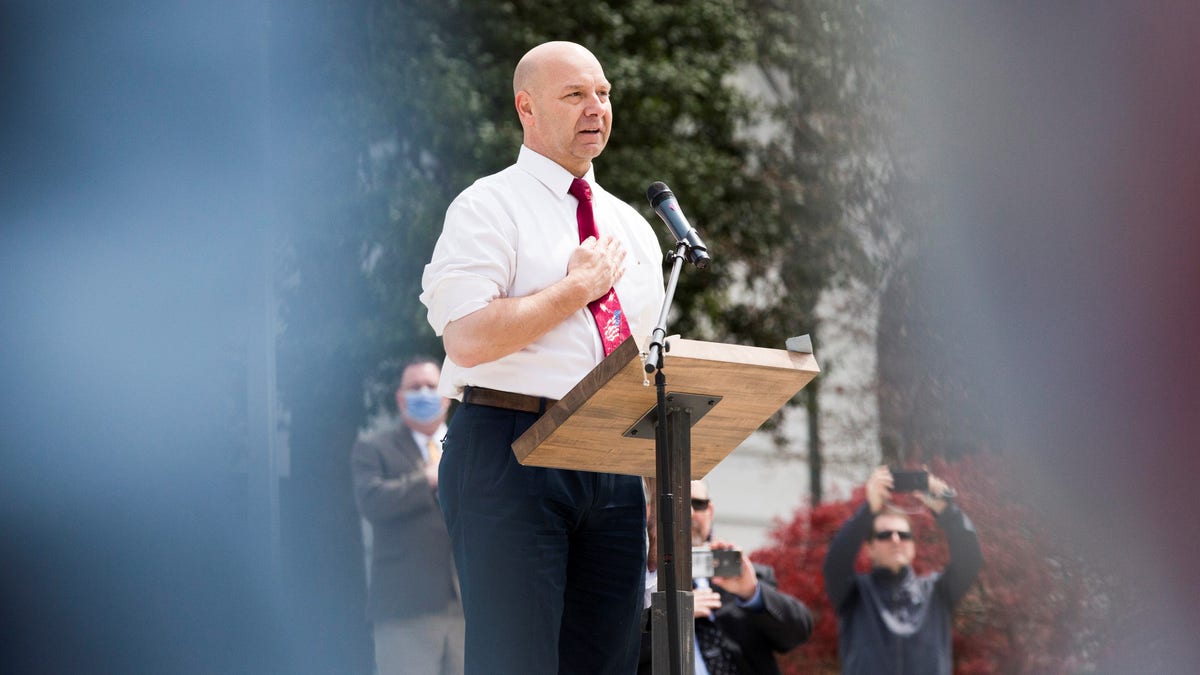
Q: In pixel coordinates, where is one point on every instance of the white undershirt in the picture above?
(422, 440)
(511, 235)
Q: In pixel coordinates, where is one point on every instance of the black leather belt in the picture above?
(507, 400)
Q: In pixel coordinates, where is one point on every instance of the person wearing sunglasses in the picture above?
(890, 619)
(741, 621)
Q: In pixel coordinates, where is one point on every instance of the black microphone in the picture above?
(662, 200)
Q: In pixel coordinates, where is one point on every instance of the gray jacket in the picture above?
(898, 622)
(412, 572)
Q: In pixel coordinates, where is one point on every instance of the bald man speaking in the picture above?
(539, 273)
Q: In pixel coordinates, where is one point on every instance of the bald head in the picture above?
(561, 97)
(532, 68)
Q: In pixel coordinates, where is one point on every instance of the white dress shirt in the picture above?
(511, 235)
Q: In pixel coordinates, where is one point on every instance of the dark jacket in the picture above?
(898, 623)
(412, 572)
(754, 637)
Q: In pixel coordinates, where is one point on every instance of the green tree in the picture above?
(838, 184)
(441, 105)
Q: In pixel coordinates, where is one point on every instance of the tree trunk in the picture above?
(815, 461)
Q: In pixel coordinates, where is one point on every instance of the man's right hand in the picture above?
(597, 264)
(705, 601)
(507, 325)
(879, 488)
(745, 584)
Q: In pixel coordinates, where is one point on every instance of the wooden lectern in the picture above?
(595, 426)
(716, 397)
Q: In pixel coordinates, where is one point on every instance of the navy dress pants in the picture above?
(551, 562)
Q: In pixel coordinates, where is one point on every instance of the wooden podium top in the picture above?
(740, 387)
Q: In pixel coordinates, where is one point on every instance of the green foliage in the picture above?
(405, 104)
(442, 115)
(421, 105)
(831, 170)
(388, 109)
(438, 113)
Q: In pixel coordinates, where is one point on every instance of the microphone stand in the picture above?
(671, 607)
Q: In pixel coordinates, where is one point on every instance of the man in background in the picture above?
(891, 620)
(412, 597)
(742, 621)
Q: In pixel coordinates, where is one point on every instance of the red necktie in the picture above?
(606, 309)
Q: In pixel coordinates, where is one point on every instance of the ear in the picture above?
(524, 104)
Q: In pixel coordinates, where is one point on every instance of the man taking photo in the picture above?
(891, 620)
(740, 621)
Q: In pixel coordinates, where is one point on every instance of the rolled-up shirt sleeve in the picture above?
(511, 235)
(473, 262)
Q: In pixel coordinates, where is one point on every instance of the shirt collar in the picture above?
(550, 173)
(887, 577)
(422, 440)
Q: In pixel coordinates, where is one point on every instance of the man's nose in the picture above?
(595, 105)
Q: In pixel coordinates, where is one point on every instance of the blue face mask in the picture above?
(423, 405)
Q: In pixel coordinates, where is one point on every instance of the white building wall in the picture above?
(759, 485)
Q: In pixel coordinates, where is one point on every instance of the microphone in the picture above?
(662, 200)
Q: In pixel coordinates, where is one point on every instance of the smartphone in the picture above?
(708, 563)
(727, 563)
(909, 481)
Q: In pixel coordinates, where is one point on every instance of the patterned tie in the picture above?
(610, 320)
(717, 657)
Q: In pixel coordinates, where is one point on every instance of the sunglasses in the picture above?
(886, 535)
(699, 504)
